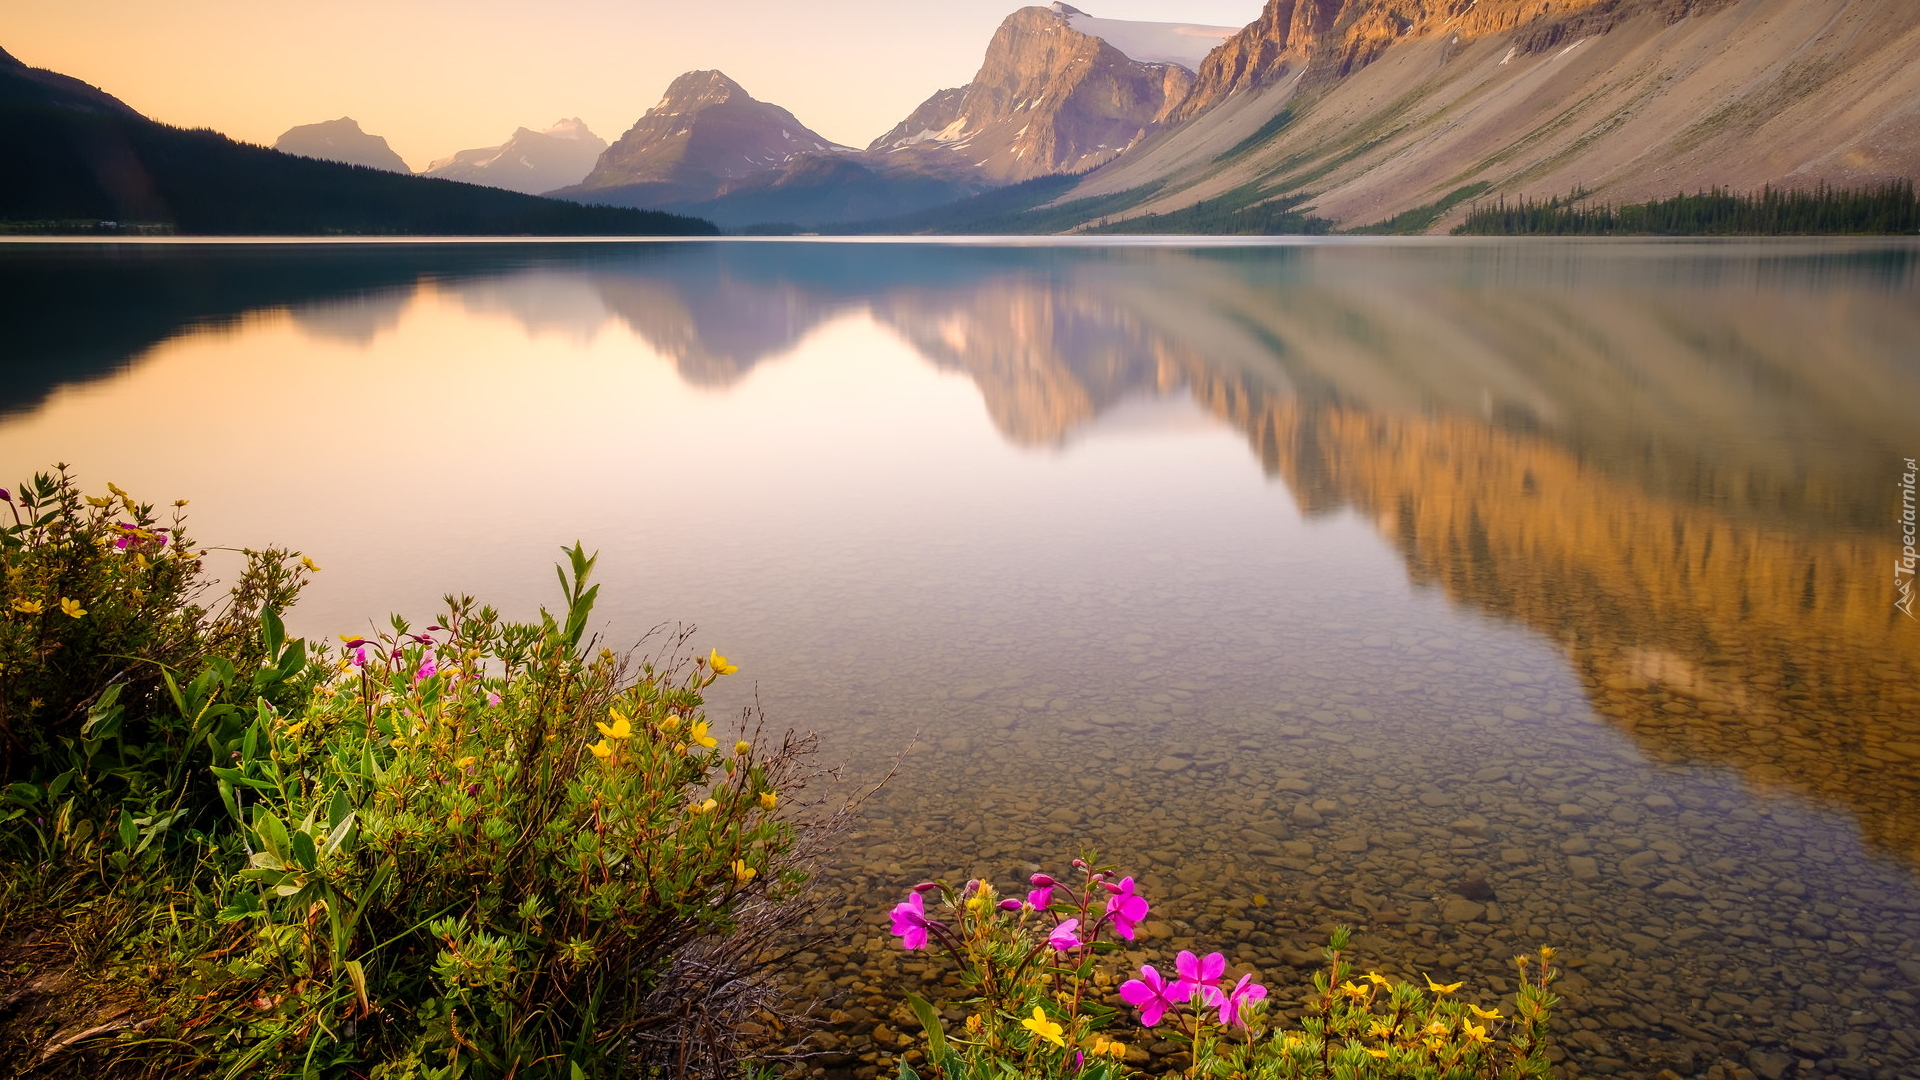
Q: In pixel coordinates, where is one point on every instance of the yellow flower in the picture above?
(1378, 1053)
(71, 608)
(720, 665)
(1484, 1014)
(705, 807)
(1476, 1033)
(31, 607)
(670, 725)
(1103, 1047)
(743, 873)
(698, 734)
(1044, 1028)
(742, 748)
(1377, 979)
(99, 500)
(1378, 1030)
(621, 729)
(1355, 990)
(1438, 988)
(294, 730)
(601, 750)
(115, 488)
(768, 799)
(464, 762)
(309, 564)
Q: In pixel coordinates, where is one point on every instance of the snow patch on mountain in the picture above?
(1185, 44)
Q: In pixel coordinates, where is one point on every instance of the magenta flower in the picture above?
(1009, 904)
(1041, 897)
(1244, 993)
(493, 698)
(428, 668)
(1152, 994)
(1199, 976)
(1062, 938)
(1126, 906)
(360, 656)
(910, 922)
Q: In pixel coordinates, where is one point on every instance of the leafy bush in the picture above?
(96, 593)
(481, 849)
(1041, 1002)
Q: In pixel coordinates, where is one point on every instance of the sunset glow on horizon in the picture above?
(434, 77)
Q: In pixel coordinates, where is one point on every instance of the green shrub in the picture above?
(1041, 1004)
(481, 849)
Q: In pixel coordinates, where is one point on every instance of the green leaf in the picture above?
(128, 833)
(338, 809)
(937, 1051)
(303, 850)
(906, 1071)
(578, 1072)
(273, 834)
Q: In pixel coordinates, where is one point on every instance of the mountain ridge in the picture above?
(532, 162)
(342, 141)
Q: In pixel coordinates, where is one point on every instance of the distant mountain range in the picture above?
(1380, 115)
(530, 161)
(79, 159)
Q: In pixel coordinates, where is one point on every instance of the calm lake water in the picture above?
(1477, 594)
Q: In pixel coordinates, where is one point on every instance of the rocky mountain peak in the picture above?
(340, 140)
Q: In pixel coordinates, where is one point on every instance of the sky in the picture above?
(437, 76)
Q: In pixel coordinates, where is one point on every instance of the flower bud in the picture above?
(1079, 864)
(1009, 905)
(1040, 881)
(926, 886)
(1110, 887)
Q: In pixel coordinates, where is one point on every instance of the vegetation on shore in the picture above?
(477, 849)
(69, 168)
(1888, 209)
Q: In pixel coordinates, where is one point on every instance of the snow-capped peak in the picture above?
(1185, 44)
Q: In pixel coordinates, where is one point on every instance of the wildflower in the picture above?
(71, 608)
(621, 729)
(720, 665)
(910, 922)
(1009, 904)
(670, 725)
(460, 764)
(1044, 1028)
(30, 607)
(601, 750)
(1104, 1047)
(352, 642)
(493, 699)
(707, 807)
(1041, 897)
(1126, 907)
(309, 564)
(1476, 1033)
(360, 656)
(698, 734)
(1379, 980)
(742, 873)
(429, 667)
(1244, 993)
(1063, 939)
(768, 799)
(1356, 991)
(1378, 1030)
(1377, 1053)
(1484, 1014)
(1152, 994)
(926, 886)
(742, 748)
(1198, 976)
(1438, 988)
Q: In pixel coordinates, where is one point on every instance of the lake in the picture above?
(1478, 595)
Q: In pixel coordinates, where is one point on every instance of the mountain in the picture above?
(530, 161)
(25, 87)
(1058, 91)
(340, 140)
(78, 157)
(705, 133)
(1368, 109)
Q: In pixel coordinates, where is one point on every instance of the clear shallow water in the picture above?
(1476, 594)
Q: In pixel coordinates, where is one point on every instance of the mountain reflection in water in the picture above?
(1673, 463)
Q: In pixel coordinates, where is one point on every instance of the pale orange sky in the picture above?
(436, 76)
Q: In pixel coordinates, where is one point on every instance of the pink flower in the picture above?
(1041, 897)
(910, 922)
(1126, 906)
(1009, 904)
(1199, 976)
(1152, 994)
(1244, 993)
(360, 656)
(1062, 938)
(493, 698)
(428, 668)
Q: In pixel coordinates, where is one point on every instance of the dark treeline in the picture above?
(64, 168)
(1887, 209)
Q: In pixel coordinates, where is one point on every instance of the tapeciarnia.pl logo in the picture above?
(1903, 567)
